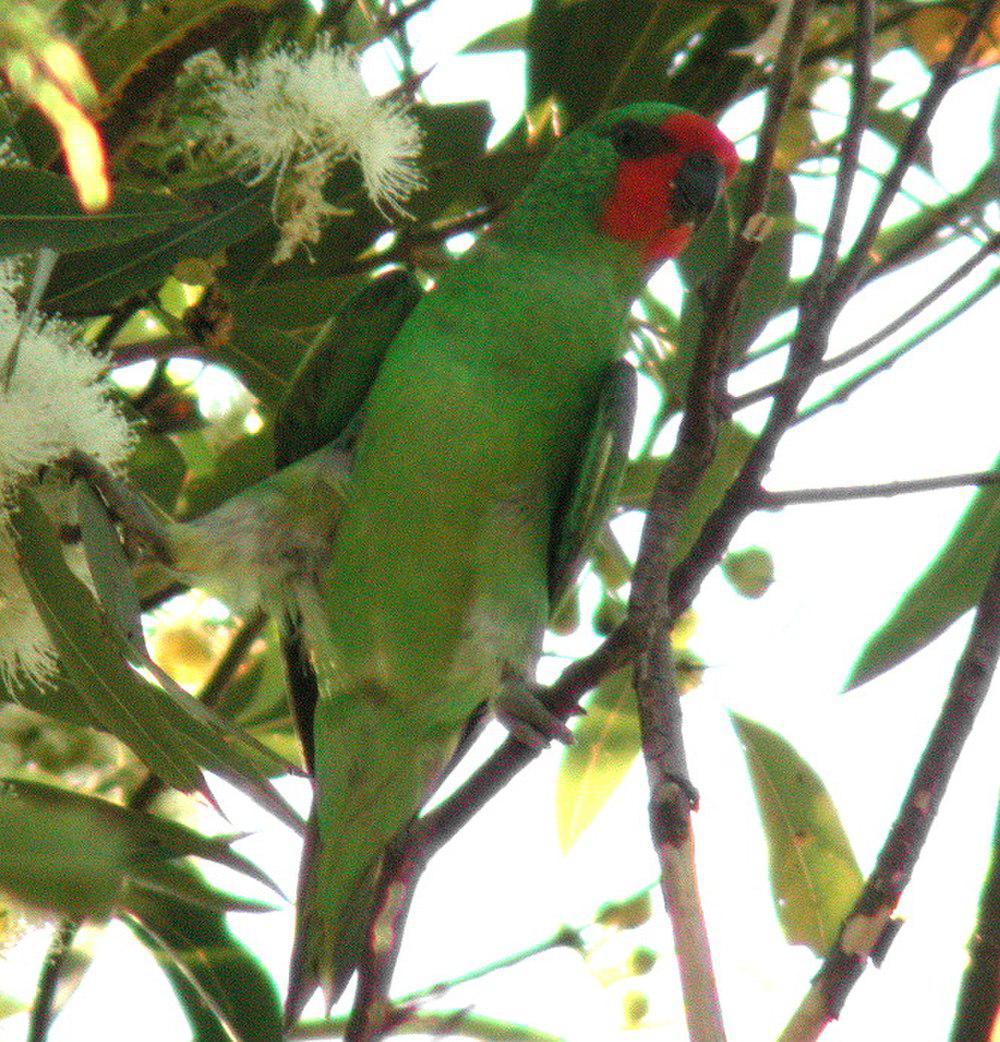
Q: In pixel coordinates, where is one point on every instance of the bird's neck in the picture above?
(560, 221)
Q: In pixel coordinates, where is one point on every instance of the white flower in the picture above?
(27, 654)
(55, 402)
(298, 113)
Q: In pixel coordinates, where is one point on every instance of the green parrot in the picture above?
(437, 502)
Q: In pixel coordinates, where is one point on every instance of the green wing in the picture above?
(323, 402)
(334, 378)
(592, 489)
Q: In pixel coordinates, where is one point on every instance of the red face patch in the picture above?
(640, 209)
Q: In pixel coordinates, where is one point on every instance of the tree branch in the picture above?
(43, 1009)
(776, 500)
(979, 999)
(869, 928)
(449, 1023)
(857, 260)
(828, 364)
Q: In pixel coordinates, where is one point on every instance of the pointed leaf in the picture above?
(93, 281)
(166, 728)
(109, 567)
(951, 586)
(814, 875)
(55, 858)
(224, 978)
(606, 742)
(122, 702)
(39, 208)
(143, 837)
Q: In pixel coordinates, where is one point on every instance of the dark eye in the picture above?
(635, 140)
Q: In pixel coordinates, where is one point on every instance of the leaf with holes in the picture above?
(814, 875)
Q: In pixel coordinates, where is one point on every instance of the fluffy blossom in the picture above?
(54, 404)
(297, 113)
(26, 650)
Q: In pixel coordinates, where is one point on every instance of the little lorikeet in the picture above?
(417, 543)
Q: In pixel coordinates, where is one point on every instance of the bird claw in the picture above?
(521, 710)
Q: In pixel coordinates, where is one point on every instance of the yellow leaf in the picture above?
(47, 72)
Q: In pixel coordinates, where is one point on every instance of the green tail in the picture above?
(377, 771)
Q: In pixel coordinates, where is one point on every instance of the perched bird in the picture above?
(417, 549)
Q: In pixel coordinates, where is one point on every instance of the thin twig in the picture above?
(777, 500)
(566, 937)
(868, 929)
(845, 357)
(43, 1009)
(444, 1023)
(979, 998)
(945, 74)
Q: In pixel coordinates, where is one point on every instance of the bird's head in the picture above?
(644, 175)
(671, 166)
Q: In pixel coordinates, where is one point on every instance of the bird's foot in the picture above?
(520, 709)
(143, 531)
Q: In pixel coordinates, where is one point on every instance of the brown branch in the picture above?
(979, 998)
(829, 364)
(870, 927)
(857, 260)
(671, 792)
(794, 497)
(822, 299)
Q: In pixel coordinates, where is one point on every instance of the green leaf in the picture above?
(294, 304)
(84, 857)
(264, 358)
(224, 990)
(950, 586)
(511, 36)
(119, 699)
(171, 732)
(241, 465)
(606, 742)
(52, 857)
(109, 567)
(735, 443)
(147, 840)
(814, 875)
(157, 469)
(93, 282)
(10, 1006)
(39, 208)
(594, 54)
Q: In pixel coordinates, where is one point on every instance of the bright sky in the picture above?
(504, 884)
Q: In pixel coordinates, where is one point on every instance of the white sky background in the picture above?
(503, 884)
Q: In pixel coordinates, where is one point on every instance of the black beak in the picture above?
(698, 186)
